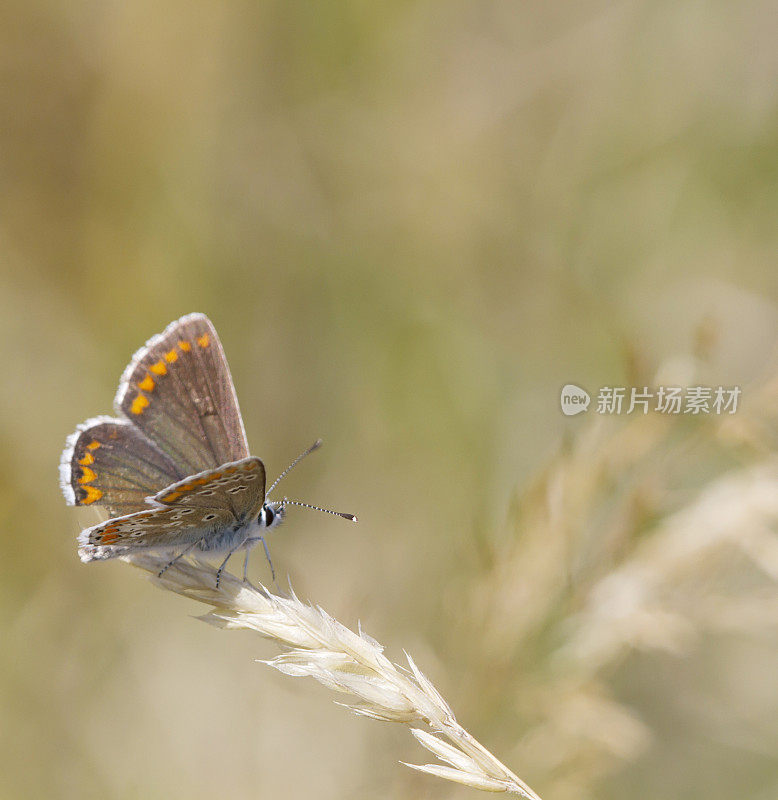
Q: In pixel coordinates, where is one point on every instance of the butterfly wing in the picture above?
(109, 462)
(178, 391)
(206, 508)
(238, 486)
(157, 529)
(178, 415)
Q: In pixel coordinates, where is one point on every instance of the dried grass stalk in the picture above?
(318, 646)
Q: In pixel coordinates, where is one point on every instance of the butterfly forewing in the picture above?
(178, 391)
(109, 462)
(238, 486)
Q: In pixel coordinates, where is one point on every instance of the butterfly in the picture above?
(173, 468)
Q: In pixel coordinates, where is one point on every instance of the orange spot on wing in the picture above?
(93, 445)
(147, 384)
(87, 459)
(87, 475)
(109, 538)
(92, 494)
(139, 403)
(169, 498)
(230, 470)
(159, 368)
(201, 481)
(203, 340)
(171, 356)
(184, 345)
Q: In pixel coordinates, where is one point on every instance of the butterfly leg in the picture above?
(267, 555)
(246, 568)
(180, 555)
(229, 556)
(246, 571)
(222, 566)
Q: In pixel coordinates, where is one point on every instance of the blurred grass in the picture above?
(411, 224)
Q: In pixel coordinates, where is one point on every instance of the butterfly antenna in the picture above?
(315, 446)
(287, 502)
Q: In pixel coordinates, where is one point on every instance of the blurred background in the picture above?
(411, 223)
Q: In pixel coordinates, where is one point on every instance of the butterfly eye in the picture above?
(268, 514)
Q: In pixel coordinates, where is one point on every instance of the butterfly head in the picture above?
(271, 516)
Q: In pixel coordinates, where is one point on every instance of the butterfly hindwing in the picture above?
(109, 462)
(157, 529)
(201, 509)
(178, 391)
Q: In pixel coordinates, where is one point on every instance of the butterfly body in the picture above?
(172, 468)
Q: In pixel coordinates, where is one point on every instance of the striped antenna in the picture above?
(315, 446)
(286, 502)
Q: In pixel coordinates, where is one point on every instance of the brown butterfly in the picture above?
(173, 467)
